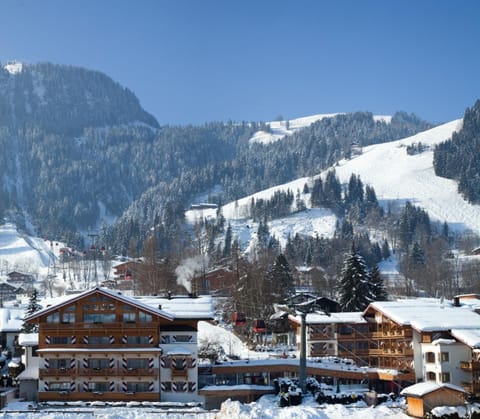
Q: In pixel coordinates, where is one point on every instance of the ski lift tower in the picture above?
(304, 307)
(93, 260)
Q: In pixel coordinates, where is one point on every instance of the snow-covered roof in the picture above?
(31, 373)
(178, 307)
(107, 292)
(179, 350)
(28, 339)
(428, 315)
(183, 307)
(11, 319)
(420, 389)
(321, 318)
(470, 337)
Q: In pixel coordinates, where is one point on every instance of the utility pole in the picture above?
(304, 308)
(94, 252)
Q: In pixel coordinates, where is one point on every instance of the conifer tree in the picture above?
(33, 307)
(354, 287)
(377, 287)
(282, 278)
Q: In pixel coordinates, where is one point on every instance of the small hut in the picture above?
(423, 397)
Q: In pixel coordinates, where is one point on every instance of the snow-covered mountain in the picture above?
(280, 129)
(396, 177)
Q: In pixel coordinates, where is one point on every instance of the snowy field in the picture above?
(265, 408)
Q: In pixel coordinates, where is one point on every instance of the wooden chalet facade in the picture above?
(391, 342)
(102, 345)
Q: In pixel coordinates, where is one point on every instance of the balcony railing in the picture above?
(470, 365)
(95, 372)
(99, 325)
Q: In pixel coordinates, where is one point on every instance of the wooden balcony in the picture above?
(391, 352)
(56, 372)
(392, 334)
(45, 396)
(471, 366)
(99, 325)
(179, 373)
(97, 372)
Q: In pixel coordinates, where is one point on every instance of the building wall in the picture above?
(457, 352)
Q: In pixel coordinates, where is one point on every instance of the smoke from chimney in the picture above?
(188, 269)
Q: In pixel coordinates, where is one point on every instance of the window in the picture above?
(59, 363)
(59, 386)
(68, 317)
(99, 317)
(444, 357)
(137, 387)
(59, 340)
(183, 338)
(137, 364)
(166, 386)
(54, 317)
(430, 357)
(129, 317)
(344, 330)
(178, 364)
(144, 317)
(137, 340)
(97, 386)
(98, 340)
(98, 364)
(430, 376)
(445, 377)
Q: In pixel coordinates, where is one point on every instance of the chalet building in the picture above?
(418, 337)
(103, 345)
(336, 334)
(219, 281)
(11, 321)
(309, 277)
(19, 278)
(9, 291)
(469, 360)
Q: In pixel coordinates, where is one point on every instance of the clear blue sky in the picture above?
(203, 60)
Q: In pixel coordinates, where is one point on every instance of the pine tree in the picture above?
(227, 249)
(377, 287)
(282, 278)
(32, 308)
(354, 287)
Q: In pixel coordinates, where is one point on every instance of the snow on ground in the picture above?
(395, 175)
(13, 67)
(266, 408)
(22, 252)
(280, 130)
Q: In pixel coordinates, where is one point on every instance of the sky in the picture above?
(191, 61)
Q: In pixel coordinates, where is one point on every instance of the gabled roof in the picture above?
(355, 317)
(427, 315)
(421, 389)
(115, 295)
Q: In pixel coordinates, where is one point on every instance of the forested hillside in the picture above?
(79, 151)
(458, 158)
